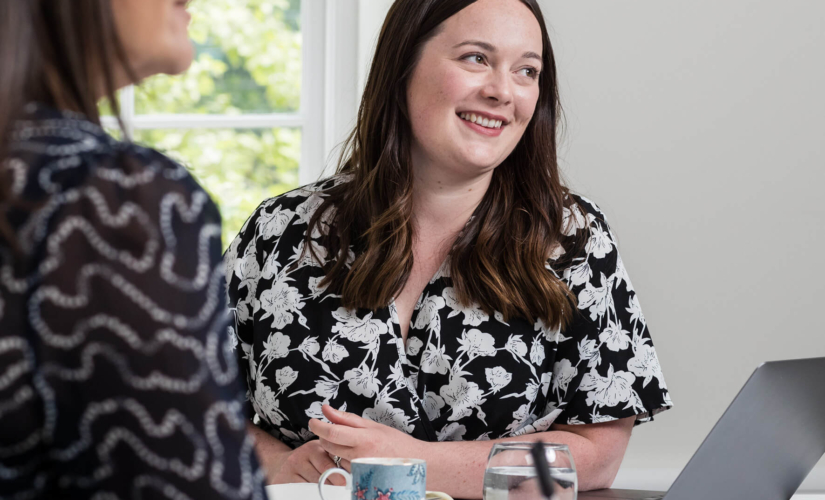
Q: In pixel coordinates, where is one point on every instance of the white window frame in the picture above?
(329, 80)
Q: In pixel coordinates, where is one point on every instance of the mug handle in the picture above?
(330, 472)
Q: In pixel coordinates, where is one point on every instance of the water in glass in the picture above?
(520, 483)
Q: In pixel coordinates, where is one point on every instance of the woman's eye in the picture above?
(529, 72)
(475, 58)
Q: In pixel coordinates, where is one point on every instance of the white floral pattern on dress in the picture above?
(462, 374)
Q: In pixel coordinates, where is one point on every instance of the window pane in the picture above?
(239, 168)
(248, 60)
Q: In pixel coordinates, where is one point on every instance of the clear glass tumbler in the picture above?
(510, 474)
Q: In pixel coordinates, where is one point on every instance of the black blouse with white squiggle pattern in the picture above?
(116, 378)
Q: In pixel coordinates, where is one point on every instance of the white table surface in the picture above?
(306, 491)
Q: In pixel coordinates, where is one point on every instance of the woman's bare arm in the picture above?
(457, 468)
(271, 451)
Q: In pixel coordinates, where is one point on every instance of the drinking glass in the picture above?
(510, 474)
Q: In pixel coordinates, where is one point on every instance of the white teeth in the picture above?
(480, 120)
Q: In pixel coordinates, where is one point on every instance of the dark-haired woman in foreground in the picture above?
(445, 285)
(115, 377)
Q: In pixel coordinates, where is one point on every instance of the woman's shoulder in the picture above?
(289, 212)
(62, 165)
(273, 237)
(54, 151)
(584, 211)
(293, 199)
(593, 241)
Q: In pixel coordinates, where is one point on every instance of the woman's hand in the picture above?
(350, 436)
(304, 464)
(285, 465)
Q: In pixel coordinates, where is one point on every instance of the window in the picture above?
(247, 119)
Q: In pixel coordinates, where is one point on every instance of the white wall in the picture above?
(699, 127)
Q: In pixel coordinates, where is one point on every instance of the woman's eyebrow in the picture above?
(531, 55)
(484, 45)
(490, 48)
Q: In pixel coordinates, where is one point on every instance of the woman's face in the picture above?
(475, 88)
(155, 35)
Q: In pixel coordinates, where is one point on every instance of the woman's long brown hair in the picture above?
(57, 52)
(499, 260)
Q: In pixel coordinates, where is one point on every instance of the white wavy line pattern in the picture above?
(117, 376)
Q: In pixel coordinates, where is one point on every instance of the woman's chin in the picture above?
(480, 162)
(180, 60)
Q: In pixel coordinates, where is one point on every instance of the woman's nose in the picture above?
(497, 87)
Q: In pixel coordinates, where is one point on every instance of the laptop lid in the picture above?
(766, 442)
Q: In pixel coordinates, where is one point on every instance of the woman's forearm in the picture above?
(271, 451)
(457, 468)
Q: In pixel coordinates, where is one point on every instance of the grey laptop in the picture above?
(763, 447)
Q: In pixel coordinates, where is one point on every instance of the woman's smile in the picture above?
(483, 123)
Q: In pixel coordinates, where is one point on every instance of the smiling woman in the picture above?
(444, 285)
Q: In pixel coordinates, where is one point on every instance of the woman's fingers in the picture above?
(308, 471)
(344, 418)
(335, 449)
(300, 478)
(293, 475)
(336, 480)
(322, 462)
(339, 434)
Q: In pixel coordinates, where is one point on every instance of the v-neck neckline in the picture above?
(407, 369)
(443, 271)
(401, 342)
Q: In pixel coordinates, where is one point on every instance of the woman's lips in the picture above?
(489, 132)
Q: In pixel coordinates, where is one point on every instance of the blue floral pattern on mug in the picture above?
(419, 473)
(389, 479)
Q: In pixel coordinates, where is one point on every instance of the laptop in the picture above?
(763, 446)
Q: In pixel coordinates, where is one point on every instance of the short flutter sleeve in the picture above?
(606, 367)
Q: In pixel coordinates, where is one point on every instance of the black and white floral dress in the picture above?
(462, 375)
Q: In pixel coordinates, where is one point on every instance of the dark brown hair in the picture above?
(499, 259)
(56, 52)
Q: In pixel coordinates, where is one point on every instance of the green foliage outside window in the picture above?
(248, 60)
